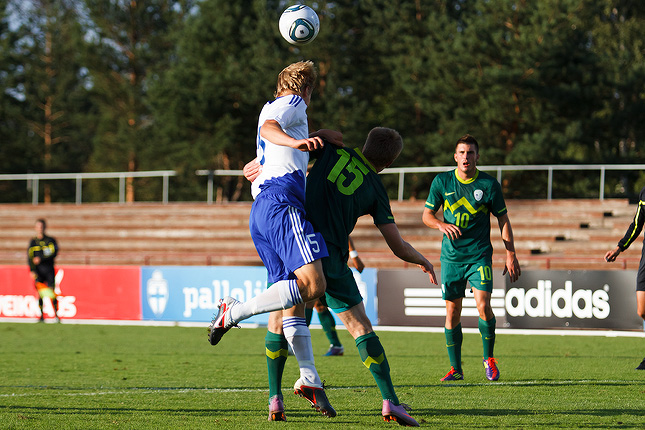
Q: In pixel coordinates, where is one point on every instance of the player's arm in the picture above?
(353, 254)
(272, 131)
(332, 136)
(512, 264)
(55, 249)
(32, 259)
(633, 231)
(404, 250)
(430, 219)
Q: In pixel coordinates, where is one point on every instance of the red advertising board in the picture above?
(84, 292)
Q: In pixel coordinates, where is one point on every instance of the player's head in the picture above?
(40, 226)
(382, 147)
(468, 139)
(298, 78)
(467, 155)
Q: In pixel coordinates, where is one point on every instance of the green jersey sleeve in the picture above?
(435, 196)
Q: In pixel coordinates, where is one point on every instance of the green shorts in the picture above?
(455, 277)
(342, 292)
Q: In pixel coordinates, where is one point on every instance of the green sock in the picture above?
(373, 356)
(277, 353)
(329, 327)
(309, 313)
(487, 330)
(454, 339)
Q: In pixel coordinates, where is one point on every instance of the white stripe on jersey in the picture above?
(296, 227)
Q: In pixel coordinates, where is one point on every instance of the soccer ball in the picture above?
(299, 24)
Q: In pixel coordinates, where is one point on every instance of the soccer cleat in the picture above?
(492, 372)
(453, 375)
(335, 350)
(642, 365)
(398, 413)
(222, 322)
(276, 409)
(316, 396)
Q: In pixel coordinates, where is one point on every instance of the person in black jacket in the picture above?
(41, 254)
(632, 233)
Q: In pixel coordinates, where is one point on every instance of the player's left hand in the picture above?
(252, 170)
(332, 136)
(429, 269)
(512, 267)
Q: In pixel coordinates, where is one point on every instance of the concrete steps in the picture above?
(562, 234)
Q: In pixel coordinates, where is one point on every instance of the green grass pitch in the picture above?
(68, 376)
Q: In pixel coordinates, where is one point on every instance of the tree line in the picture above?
(128, 85)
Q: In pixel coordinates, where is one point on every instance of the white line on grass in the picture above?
(51, 390)
(499, 330)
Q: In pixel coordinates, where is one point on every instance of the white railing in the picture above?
(402, 171)
(33, 180)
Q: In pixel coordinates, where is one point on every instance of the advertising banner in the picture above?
(407, 298)
(366, 282)
(171, 293)
(573, 299)
(174, 293)
(84, 292)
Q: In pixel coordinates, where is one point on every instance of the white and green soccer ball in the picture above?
(299, 24)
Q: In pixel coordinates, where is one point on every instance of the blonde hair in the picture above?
(382, 146)
(296, 77)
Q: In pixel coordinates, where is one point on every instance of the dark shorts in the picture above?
(456, 277)
(640, 277)
(342, 291)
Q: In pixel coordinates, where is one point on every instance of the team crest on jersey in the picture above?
(478, 194)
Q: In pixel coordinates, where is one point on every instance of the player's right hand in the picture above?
(612, 255)
(452, 231)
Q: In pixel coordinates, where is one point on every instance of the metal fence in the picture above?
(33, 179)
(402, 171)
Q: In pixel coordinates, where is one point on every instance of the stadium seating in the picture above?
(557, 234)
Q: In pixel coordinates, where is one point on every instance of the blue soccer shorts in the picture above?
(283, 238)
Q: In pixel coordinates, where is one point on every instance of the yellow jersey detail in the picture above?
(466, 181)
(466, 204)
(633, 236)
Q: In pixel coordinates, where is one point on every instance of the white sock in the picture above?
(281, 295)
(299, 338)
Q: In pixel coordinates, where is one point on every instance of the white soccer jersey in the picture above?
(282, 166)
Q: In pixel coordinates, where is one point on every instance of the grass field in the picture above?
(65, 376)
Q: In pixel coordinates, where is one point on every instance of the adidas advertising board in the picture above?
(573, 299)
(539, 299)
(407, 298)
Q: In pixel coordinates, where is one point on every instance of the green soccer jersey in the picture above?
(341, 187)
(467, 204)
